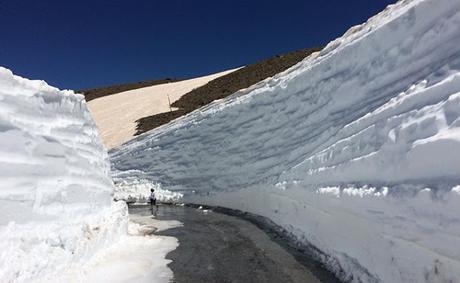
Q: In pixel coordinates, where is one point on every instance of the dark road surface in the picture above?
(216, 247)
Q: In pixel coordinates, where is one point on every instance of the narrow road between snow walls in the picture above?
(221, 245)
(355, 150)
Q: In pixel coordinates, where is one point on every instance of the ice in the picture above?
(340, 149)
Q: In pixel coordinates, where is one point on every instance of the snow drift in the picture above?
(355, 150)
(56, 208)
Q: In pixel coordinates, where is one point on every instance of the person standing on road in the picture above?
(152, 198)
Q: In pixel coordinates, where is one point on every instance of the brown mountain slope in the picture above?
(224, 86)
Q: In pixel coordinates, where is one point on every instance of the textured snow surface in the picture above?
(116, 114)
(51, 159)
(57, 216)
(355, 150)
(136, 257)
(55, 189)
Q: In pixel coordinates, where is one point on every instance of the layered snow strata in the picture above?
(56, 207)
(367, 234)
(355, 150)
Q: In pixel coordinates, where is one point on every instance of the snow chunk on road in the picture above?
(137, 257)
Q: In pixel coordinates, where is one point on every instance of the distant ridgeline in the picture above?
(94, 93)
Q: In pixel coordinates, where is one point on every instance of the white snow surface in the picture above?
(137, 189)
(116, 114)
(57, 215)
(52, 162)
(136, 257)
(355, 150)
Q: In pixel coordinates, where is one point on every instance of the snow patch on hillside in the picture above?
(355, 150)
(116, 114)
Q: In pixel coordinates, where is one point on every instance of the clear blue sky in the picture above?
(89, 43)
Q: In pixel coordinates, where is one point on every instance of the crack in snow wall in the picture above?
(56, 208)
(355, 150)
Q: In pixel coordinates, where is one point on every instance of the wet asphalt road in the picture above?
(216, 247)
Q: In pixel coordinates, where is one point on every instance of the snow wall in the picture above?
(56, 207)
(355, 150)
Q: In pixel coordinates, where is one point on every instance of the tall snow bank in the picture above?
(56, 207)
(355, 150)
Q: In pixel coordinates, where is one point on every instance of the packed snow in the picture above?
(116, 114)
(355, 150)
(136, 257)
(57, 215)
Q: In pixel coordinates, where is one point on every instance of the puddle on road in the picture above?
(150, 223)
